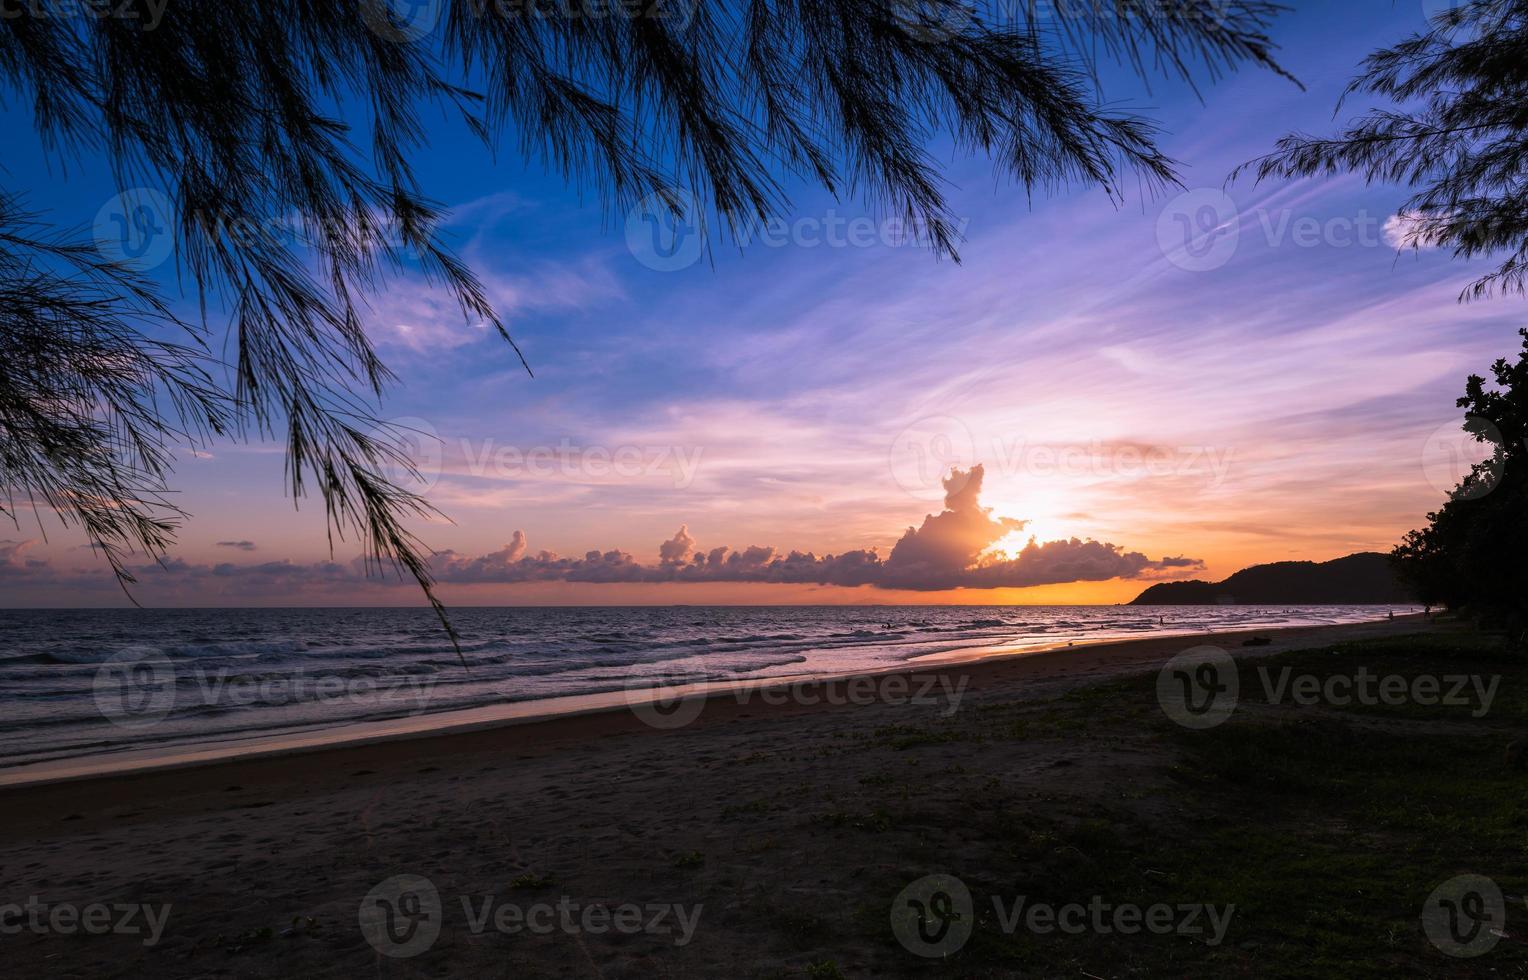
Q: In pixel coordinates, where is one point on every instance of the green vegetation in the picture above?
(690, 859)
(1327, 828)
(530, 881)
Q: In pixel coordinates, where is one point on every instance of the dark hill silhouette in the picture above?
(1366, 577)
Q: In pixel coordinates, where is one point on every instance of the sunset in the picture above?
(564, 409)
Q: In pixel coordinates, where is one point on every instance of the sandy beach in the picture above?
(257, 867)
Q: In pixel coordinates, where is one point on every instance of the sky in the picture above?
(1177, 386)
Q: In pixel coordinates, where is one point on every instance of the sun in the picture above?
(1038, 509)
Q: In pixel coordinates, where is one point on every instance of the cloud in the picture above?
(413, 314)
(951, 542)
(677, 549)
(13, 559)
(949, 550)
(952, 549)
(1412, 230)
(493, 567)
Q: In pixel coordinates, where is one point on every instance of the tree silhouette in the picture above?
(1470, 555)
(1457, 134)
(231, 109)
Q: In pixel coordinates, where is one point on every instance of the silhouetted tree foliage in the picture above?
(1471, 554)
(247, 114)
(1457, 133)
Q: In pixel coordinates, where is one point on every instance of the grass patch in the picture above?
(1325, 825)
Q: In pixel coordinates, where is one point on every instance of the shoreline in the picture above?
(536, 724)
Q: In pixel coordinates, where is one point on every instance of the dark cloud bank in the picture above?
(949, 550)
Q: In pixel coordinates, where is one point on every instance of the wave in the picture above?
(50, 663)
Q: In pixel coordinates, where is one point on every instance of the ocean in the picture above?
(89, 682)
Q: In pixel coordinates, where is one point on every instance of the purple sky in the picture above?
(1279, 387)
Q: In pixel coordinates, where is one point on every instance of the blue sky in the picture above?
(1289, 387)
